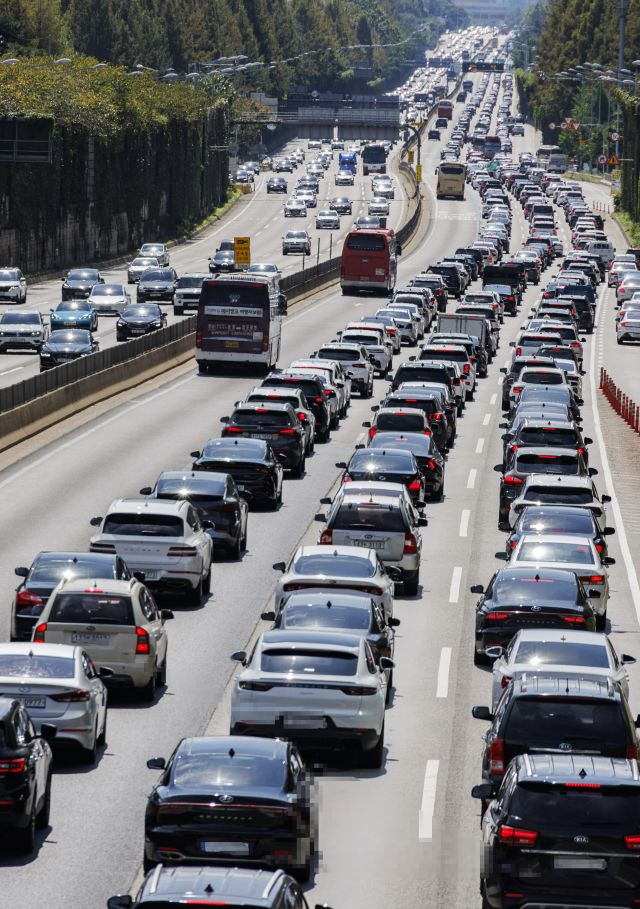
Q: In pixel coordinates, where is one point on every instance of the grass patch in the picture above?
(629, 226)
(215, 215)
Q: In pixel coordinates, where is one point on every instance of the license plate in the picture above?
(228, 848)
(232, 344)
(579, 863)
(150, 575)
(304, 722)
(85, 638)
(30, 702)
(369, 544)
(137, 331)
(262, 435)
(364, 278)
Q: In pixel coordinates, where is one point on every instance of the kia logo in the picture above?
(581, 839)
(565, 746)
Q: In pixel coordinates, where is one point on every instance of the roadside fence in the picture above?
(621, 403)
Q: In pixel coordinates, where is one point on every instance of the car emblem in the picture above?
(225, 799)
(565, 746)
(581, 839)
(90, 627)
(23, 688)
(536, 608)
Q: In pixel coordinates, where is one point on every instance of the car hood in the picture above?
(20, 327)
(156, 285)
(74, 315)
(66, 348)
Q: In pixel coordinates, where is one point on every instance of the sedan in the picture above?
(74, 314)
(559, 519)
(139, 265)
(222, 260)
(139, 319)
(22, 330)
(252, 464)
(277, 185)
(327, 220)
(236, 800)
(157, 284)
(79, 283)
(325, 568)
(160, 251)
(295, 208)
(58, 684)
(424, 449)
(344, 178)
(378, 206)
(367, 222)
(387, 464)
(628, 328)
(341, 204)
(561, 652)
(109, 299)
(65, 345)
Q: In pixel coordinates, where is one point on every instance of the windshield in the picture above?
(335, 566)
(160, 275)
(365, 242)
(147, 525)
(91, 609)
(190, 282)
(579, 553)
(142, 311)
(108, 290)
(20, 318)
(9, 274)
(36, 666)
(77, 305)
(308, 663)
(311, 615)
(82, 274)
(63, 338)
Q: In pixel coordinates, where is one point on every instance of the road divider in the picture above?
(621, 403)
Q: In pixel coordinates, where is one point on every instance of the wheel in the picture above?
(25, 839)
(368, 392)
(285, 252)
(387, 699)
(148, 691)
(42, 819)
(235, 551)
(483, 893)
(102, 738)
(298, 470)
(206, 584)
(161, 676)
(148, 864)
(439, 495)
(373, 759)
(601, 621)
(479, 659)
(410, 584)
(194, 595)
(178, 311)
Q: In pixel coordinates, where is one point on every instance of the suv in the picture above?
(356, 362)
(246, 888)
(164, 539)
(312, 388)
(276, 423)
(22, 330)
(187, 295)
(119, 626)
(562, 830)
(296, 398)
(296, 241)
(560, 714)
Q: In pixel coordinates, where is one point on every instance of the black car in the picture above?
(25, 775)
(552, 433)
(63, 346)
(278, 424)
(421, 372)
(245, 888)
(555, 713)
(157, 284)
(507, 295)
(237, 799)
(390, 465)
(313, 390)
(215, 497)
(276, 185)
(424, 449)
(512, 373)
(560, 519)
(562, 830)
(79, 282)
(222, 260)
(252, 464)
(438, 287)
(46, 572)
(451, 277)
(434, 134)
(139, 319)
(528, 598)
(341, 204)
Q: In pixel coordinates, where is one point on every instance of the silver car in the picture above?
(387, 526)
(13, 285)
(59, 684)
(21, 330)
(139, 265)
(629, 285)
(109, 299)
(296, 241)
(378, 206)
(157, 250)
(328, 220)
(628, 328)
(344, 178)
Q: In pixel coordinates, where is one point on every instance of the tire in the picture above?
(148, 691)
(235, 551)
(601, 621)
(372, 759)
(90, 755)
(302, 873)
(410, 584)
(194, 595)
(387, 697)
(102, 738)
(479, 659)
(206, 584)
(299, 469)
(25, 839)
(368, 392)
(178, 312)
(42, 819)
(161, 675)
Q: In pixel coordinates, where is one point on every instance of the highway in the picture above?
(412, 826)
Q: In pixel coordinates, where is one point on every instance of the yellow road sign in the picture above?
(613, 161)
(419, 173)
(410, 156)
(242, 250)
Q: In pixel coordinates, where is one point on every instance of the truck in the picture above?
(475, 326)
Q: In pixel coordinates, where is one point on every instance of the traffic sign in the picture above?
(602, 159)
(410, 156)
(564, 124)
(552, 126)
(576, 125)
(615, 137)
(242, 250)
(613, 161)
(419, 173)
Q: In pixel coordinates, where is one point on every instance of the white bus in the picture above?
(544, 153)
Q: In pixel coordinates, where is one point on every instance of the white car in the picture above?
(378, 206)
(335, 567)
(344, 178)
(307, 196)
(13, 285)
(159, 250)
(323, 689)
(549, 489)
(139, 265)
(327, 220)
(628, 328)
(355, 361)
(557, 650)
(295, 208)
(59, 684)
(109, 299)
(383, 186)
(165, 539)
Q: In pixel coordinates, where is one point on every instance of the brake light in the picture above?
(575, 344)
(513, 544)
(436, 416)
(496, 757)
(414, 486)
(319, 400)
(233, 429)
(581, 451)
(631, 752)
(633, 842)
(199, 338)
(573, 619)
(594, 579)
(431, 464)
(187, 552)
(505, 680)
(328, 392)
(372, 431)
(302, 416)
(13, 765)
(497, 616)
(326, 537)
(582, 786)
(410, 543)
(510, 480)
(467, 367)
(516, 389)
(518, 351)
(39, 633)
(517, 836)
(103, 547)
(76, 694)
(287, 432)
(143, 642)
(26, 598)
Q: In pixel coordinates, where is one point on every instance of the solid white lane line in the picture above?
(480, 445)
(494, 398)
(7, 371)
(486, 419)
(464, 522)
(471, 482)
(454, 589)
(428, 804)
(442, 689)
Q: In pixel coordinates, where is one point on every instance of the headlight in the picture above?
(120, 324)
(35, 333)
(43, 353)
(158, 324)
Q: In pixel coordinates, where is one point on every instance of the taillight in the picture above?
(229, 429)
(199, 338)
(326, 537)
(13, 765)
(518, 351)
(26, 598)
(497, 616)
(372, 431)
(265, 342)
(496, 757)
(594, 579)
(329, 393)
(599, 547)
(187, 552)
(39, 633)
(76, 694)
(575, 344)
(573, 619)
(516, 389)
(410, 543)
(581, 451)
(302, 416)
(346, 478)
(435, 416)
(319, 400)
(254, 686)
(103, 547)
(357, 691)
(505, 680)
(143, 642)
(414, 486)
(631, 752)
(510, 480)
(633, 842)
(467, 367)
(431, 464)
(517, 836)
(287, 432)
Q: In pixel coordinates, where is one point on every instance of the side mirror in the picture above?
(393, 622)
(224, 419)
(512, 343)
(605, 499)
(484, 791)
(279, 566)
(423, 521)
(608, 561)
(48, 731)
(140, 576)
(481, 713)
(239, 656)
(386, 663)
(95, 522)
(145, 491)
(342, 465)
(587, 440)
(607, 532)
(593, 472)
(495, 652)
(194, 454)
(326, 500)
(477, 588)
(375, 408)
(367, 424)
(105, 673)
(503, 370)
(166, 614)
(123, 901)
(21, 571)
(157, 763)
(321, 518)
(269, 616)
(208, 525)
(627, 660)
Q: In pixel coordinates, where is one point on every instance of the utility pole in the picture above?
(623, 15)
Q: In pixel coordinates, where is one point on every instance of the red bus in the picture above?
(369, 261)
(445, 109)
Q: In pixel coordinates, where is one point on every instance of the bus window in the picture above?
(374, 159)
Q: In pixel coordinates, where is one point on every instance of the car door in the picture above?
(38, 766)
(98, 691)
(198, 538)
(152, 624)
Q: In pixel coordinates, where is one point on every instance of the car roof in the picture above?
(543, 451)
(149, 506)
(540, 572)
(320, 639)
(241, 886)
(328, 598)
(194, 478)
(97, 585)
(259, 406)
(556, 768)
(330, 551)
(575, 538)
(571, 686)
(562, 635)
(556, 480)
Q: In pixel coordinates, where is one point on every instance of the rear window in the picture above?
(145, 525)
(335, 566)
(50, 571)
(409, 422)
(368, 516)
(309, 615)
(541, 378)
(532, 590)
(569, 495)
(584, 724)
(309, 662)
(547, 463)
(179, 489)
(611, 806)
(392, 461)
(554, 653)
(256, 419)
(91, 609)
(336, 353)
(458, 356)
(363, 242)
(563, 522)
(556, 552)
(36, 666)
(212, 769)
(424, 374)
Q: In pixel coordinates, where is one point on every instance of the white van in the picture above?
(603, 249)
